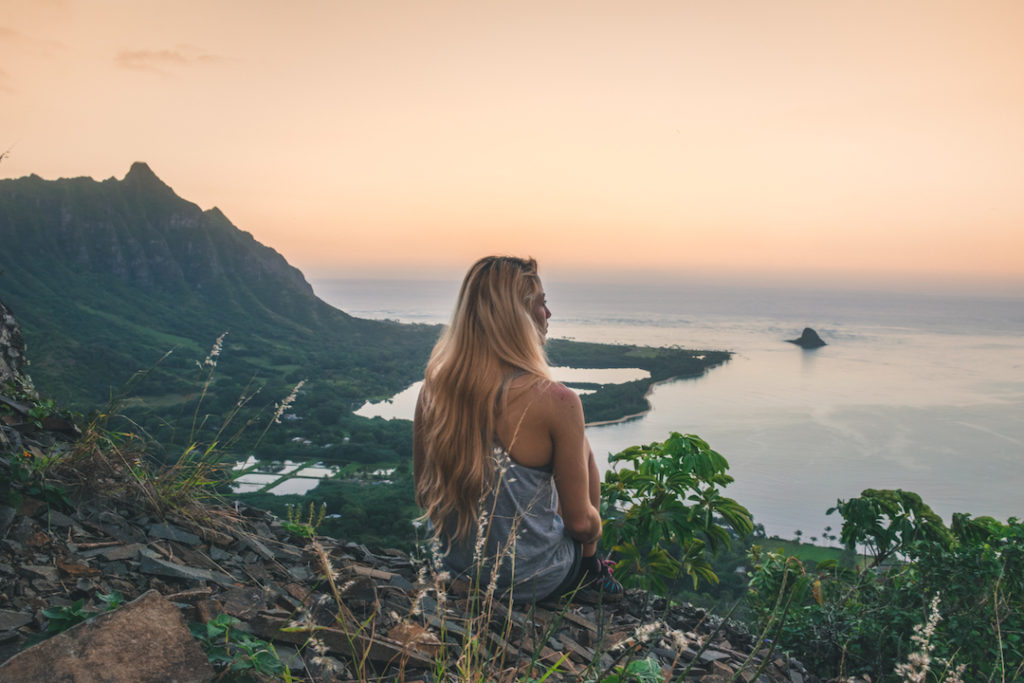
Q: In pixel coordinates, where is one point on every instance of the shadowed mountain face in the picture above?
(138, 232)
(106, 277)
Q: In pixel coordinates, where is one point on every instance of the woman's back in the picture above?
(523, 421)
(520, 544)
(501, 462)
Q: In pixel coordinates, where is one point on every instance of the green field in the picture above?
(808, 552)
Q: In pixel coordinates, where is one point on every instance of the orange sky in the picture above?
(860, 140)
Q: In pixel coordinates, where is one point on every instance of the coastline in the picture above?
(623, 401)
(647, 397)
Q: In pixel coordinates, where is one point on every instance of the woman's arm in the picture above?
(574, 466)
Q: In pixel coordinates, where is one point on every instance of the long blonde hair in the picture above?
(492, 337)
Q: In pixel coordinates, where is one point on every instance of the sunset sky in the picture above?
(844, 141)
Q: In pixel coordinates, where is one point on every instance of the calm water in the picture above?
(919, 392)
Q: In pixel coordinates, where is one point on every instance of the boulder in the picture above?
(145, 640)
(808, 340)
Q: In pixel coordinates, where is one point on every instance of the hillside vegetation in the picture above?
(108, 277)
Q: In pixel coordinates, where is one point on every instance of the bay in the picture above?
(918, 391)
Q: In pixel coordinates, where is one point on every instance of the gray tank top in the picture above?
(520, 520)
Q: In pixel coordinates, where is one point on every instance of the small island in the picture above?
(808, 340)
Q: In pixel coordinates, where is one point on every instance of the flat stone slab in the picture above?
(153, 565)
(174, 533)
(58, 518)
(42, 571)
(122, 552)
(10, 620)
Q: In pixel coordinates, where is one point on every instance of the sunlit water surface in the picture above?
(924, 393)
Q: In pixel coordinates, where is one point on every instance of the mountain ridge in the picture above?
(80, 218)
(90, 265)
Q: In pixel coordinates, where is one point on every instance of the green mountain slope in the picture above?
(106, 277)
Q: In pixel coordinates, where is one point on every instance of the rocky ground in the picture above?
(106, 576)
(352, 613)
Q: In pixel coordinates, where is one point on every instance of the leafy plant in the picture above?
(640, 670)
(112, 600)
(42, 409)
(304, 529)
(26, 476)
(663, 511)
(62, 618)
(234, 652)
(782, 593)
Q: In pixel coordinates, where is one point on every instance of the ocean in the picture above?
(913, 391)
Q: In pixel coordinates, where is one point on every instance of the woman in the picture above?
(501, 463)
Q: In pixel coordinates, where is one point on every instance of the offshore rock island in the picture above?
(809, 339)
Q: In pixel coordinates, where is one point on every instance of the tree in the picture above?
(889, 522)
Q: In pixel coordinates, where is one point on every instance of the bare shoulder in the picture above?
(558, 391)
(558, 398)
(546, 400)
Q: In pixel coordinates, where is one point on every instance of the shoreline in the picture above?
(650, 390)
(647, 397)
(614, 402)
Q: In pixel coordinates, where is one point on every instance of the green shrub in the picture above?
(967, 581)
(663, 511)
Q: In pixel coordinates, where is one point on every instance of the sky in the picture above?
(789, 140)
